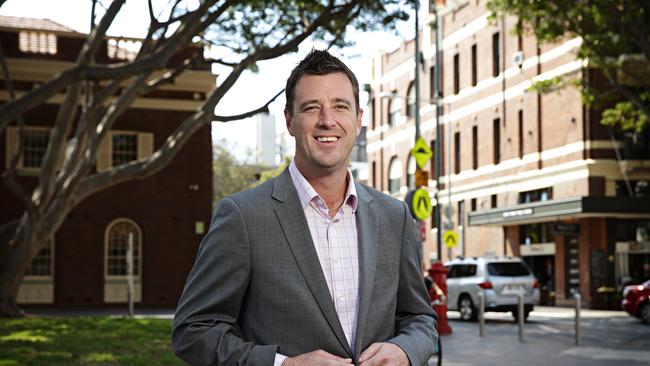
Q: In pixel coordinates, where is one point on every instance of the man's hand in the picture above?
(317, 358)
(386, 354)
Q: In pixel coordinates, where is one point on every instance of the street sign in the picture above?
(450, 238)
(421, 152)
(421, 178)
(421, 204)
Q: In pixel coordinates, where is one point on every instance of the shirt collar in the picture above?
(306, 193)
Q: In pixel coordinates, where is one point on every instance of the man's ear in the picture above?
(287, 120)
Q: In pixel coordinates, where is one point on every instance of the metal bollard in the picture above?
(578, 298)
(520, 312)
(481, 314)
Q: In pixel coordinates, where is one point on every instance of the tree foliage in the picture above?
(242, 33)
(230, 175)
(615, 40)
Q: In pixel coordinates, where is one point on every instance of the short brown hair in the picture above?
(318, 62)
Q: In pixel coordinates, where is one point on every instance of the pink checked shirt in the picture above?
(335, 240)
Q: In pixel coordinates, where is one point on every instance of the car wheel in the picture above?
(644, 313)
(515, 314)
(466, 308)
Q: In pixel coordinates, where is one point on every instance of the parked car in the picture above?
(636, 301)
(500, 278)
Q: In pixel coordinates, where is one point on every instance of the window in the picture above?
(496, 143)
(534, 233)
(374, 174)
(473, 204)
(121, 147)
(37, 42)
(117, 245)
(521, 133)
(474, 147)
(474, 65)
(456, 73)
(457, 152)
(125, 148)
(394, 175)
(121, 49)
(496, 54)
(537, 195)
(432, 84)
(373, 111)
(410, 173)
(638, 188)
(410, 107)
(37, 287)
(493, 201)
(42, 265)
(461, 213)
(394, 111)
(34, 145)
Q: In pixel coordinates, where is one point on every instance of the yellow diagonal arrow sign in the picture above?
(421, 152)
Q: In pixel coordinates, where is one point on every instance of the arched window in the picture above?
(116, 267)
(410, 103)
(394, 175)
(394, 111)
(410, 173)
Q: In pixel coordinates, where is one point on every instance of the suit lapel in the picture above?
(368, 237)
(294, 225)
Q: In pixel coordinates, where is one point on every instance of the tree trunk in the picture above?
(17, 252)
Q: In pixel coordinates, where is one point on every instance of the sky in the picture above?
(251, 90)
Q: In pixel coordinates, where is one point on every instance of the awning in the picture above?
(563, 209)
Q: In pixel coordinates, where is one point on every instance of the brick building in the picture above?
(524, 172)
(85, 262)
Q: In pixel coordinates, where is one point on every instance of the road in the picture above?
(608, 338)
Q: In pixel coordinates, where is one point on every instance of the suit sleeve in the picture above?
(205, 328)
(415, 320)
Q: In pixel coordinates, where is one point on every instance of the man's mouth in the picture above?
(327, 138)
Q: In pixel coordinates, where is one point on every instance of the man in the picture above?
(309, 268)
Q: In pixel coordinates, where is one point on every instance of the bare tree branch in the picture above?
(262, 109)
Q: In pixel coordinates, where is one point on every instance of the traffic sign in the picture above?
(421, 152)
(450, 238)
(421, 204)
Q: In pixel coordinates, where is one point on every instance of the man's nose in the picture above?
(326, 117)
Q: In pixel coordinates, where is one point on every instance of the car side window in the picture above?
(452, 271)
(471, 270)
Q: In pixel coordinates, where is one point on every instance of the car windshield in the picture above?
(507, 269)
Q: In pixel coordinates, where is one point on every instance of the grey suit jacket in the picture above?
(257, 286)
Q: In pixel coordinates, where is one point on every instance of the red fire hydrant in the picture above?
(438, 295)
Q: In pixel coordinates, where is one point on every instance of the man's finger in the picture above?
(369, 352)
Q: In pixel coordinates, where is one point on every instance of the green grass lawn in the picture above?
(96, 341)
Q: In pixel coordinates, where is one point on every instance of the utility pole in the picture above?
(438, 145)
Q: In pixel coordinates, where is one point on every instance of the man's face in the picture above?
(324, 122)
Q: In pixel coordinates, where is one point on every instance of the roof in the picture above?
(33, 23)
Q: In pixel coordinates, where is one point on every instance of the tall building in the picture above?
(524, 172)
(266, 145)
(84, 264)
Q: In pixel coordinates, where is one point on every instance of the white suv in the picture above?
(500, 279)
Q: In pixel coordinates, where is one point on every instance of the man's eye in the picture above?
(309, 108)
(342, 107)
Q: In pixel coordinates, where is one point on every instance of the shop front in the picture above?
(588, 245)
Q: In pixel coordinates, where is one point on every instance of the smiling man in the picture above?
(309, 268)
